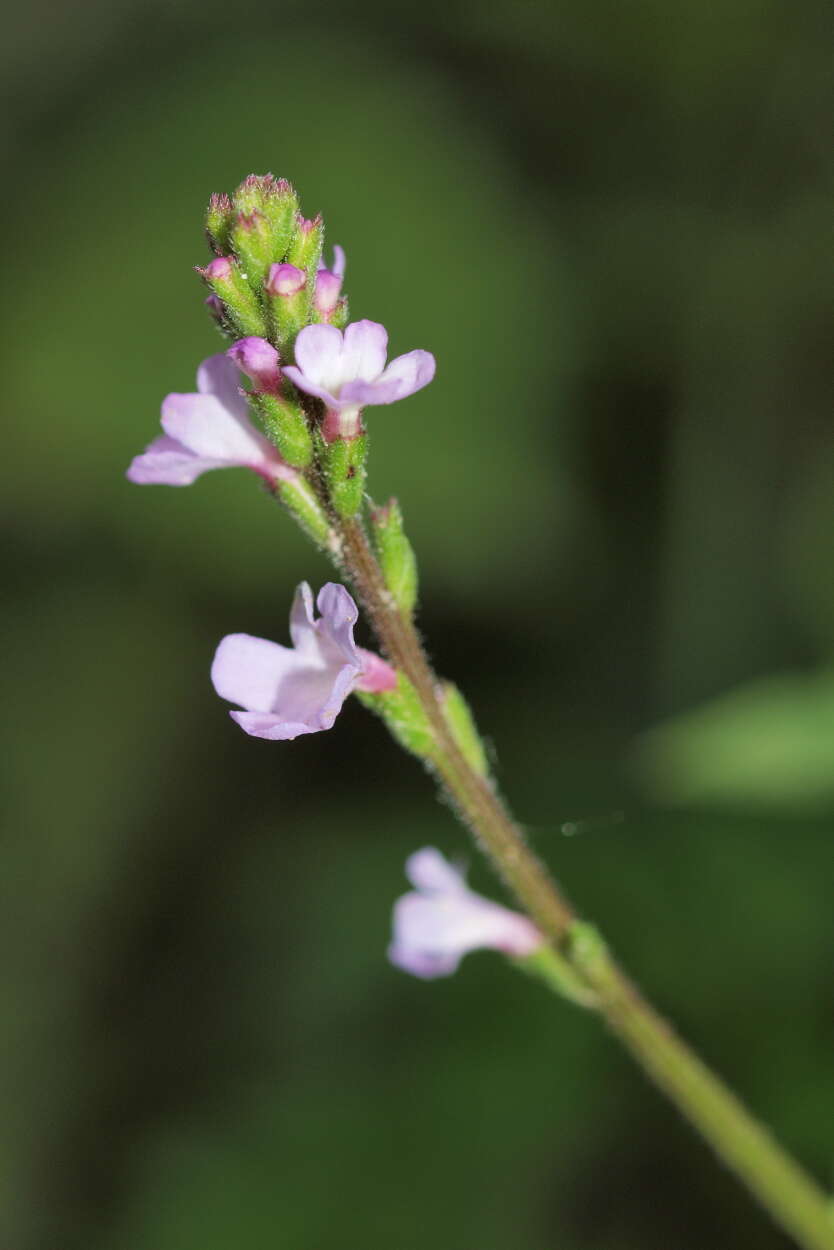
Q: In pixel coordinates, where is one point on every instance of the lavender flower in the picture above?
(209, 429)
(348, 371)
(442, 920)
(288, 691)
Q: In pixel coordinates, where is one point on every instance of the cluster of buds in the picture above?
(312, 373)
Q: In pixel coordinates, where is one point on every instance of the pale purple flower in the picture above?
(442, 920)
(329, 284)
(288, 691)
(348, 370)
(209, 429)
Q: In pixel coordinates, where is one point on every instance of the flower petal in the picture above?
(218, 376)
(310, 388)
(250, 671)
(302, 622)
(318, 355)
(203, 425)
(166, 462)
(267, 725)
(364, 351)
(430, 871)
(404, 376)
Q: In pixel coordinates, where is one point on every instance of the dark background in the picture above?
(611, 223)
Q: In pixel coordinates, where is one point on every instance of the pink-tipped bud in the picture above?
(328, 289)
(259, 360)
(251, 223)
(306, 225)
(217, 270)
(285, 280)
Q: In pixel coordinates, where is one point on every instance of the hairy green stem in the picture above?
(792, 1198)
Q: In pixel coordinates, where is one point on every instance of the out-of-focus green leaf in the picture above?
(770, 742)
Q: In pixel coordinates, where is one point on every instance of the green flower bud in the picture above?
(219, 218)
(396, 555)
(341, 314)
(285, 424)
(464, 730)
(252, 243)
(305, 248)
(276, 201)
(287, 293)
(241, 306)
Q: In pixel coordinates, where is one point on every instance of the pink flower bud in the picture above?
(259, 359)
(285, 280)
(218, 270)
(328, 289)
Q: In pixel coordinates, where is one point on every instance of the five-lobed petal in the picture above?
(442, 920)
(207, 429)
(348, 370)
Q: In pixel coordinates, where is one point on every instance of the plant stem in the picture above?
(792, 1198)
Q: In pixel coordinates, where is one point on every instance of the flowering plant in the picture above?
(300, 427)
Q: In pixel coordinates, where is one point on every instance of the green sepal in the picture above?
(286, 426)
(300, 499)
(305, 251)
(344, 470)
(219, 218)
(403, 714)
(396, 555)
(241, 306)
(252, 244)
(341, 314)
(288, 314)
(281, 211)
(554, 969)
(464, 730)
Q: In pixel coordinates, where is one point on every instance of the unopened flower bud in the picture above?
(285, 423)
(326, 298)
(219, 216)
(462, 724)
(252, 243)
(305, 248)
(285, 280)
(275, 200)
(396, 555)
(241, 306)
(259, 360)
(289, 302)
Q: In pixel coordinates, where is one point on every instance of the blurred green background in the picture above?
(611, 223)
